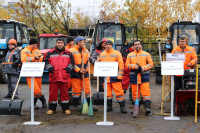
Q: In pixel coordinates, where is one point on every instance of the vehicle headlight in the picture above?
(1, 52)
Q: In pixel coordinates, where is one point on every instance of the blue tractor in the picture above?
(11, 29)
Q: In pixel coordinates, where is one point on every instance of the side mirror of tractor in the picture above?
(129, 29)
(171, 29)
(197, 28)
(86, 29)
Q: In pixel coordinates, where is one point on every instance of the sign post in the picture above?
(172, 68)
(105, 69)
(32, 69)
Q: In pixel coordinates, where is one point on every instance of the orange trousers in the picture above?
(143, 89)
(37, 86)
(117, 88)
(77, 86)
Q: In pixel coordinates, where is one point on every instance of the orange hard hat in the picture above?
(12, 41)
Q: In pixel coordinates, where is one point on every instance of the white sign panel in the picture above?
(175, 57)
(172, 68)
(3, 41)
(32, 69)
(103, 69)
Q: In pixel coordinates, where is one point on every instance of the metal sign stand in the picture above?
(172, 100)
(32, 69)
(32, 122)
(105, 122)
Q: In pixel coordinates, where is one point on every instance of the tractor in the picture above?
(11, 29)
(185, 98)
(188, 28)
(114, 31)
(177, 29)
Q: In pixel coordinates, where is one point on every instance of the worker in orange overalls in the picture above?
(111, 55)
(190, 60)
(70, 44)
(31, 53)
(139, 62)
(79, 52)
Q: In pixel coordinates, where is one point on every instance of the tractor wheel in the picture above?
(3, 77)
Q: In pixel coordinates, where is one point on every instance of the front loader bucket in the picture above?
(9, 107)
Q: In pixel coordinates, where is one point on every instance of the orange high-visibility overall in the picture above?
(28, 55)
(144, 60)
(114, 82)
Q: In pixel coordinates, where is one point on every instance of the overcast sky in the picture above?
(91, 7)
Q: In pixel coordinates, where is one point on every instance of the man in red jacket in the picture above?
(59, 62)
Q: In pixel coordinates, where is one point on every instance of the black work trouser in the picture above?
(12, 82)
(178, 81)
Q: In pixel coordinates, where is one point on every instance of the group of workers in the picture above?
(69, 68)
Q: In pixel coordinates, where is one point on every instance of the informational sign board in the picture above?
(172, 68)
(103, 69)
(32, 69)
(175, 57)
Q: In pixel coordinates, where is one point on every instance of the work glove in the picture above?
(68, 69)
(139, 70)
(13, 65)
(51, 69)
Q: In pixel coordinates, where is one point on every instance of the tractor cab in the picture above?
(187, 28)
(48, 41)
(114, 31)
(12, 29)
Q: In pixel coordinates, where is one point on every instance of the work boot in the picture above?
(35, 101)
(109, 105)
(67, 112)
(88, 101)
(52, 108)
(147, 105)
(43, 100)
(50, 112)
(65, 108)
(122, 106)
(8, 96)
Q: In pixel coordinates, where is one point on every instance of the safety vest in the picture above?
(28, 55)
(144, 60)
(113, 56)
(78, 54)
(190, 56)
